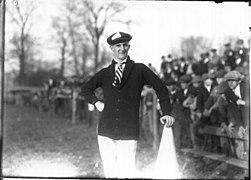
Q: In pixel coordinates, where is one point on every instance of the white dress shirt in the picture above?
(237, 91)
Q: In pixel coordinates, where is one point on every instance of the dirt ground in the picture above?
(38, 146)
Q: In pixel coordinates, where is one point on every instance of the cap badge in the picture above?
(115, 36)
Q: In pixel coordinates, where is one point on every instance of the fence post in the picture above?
(74, 104)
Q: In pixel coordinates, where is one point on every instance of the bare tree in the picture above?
(74, 34)
(73, 38)
(193, 46)
(84, 22)
(22, 40)
(96, 17)
(85, 55)
(62, 39)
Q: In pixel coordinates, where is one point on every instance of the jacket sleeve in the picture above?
(201, 99)
(150, 78)
(88, 88)
(210, 102)
(200, 103)
(230, 96)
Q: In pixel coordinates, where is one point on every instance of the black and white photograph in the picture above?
(124, 89)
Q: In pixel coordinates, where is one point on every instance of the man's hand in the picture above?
(230, 130)
(241, 102)
(167, 120)
(242, 131)
(91, 107)
(206, 113)
(99, 105)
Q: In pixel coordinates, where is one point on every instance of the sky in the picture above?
(157, 25)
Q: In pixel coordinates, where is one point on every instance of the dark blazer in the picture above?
(120, 117)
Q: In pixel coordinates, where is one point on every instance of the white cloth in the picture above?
(166, 166)
(118, 157)
(237, 91)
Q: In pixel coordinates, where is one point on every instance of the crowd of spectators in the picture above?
(211, 91)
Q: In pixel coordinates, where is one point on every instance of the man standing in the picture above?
(118, 128)
(241, 54)
(229, 56)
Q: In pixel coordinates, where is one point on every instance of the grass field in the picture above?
(35, 145)
(33, 140)
(38, 146)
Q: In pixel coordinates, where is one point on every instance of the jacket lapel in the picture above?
(111, 70)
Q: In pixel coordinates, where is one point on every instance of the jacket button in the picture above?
(118, 100)
(117, 110)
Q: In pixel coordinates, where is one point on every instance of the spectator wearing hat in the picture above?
(212, 101)
(118, 129)
(198, 85)
(229, 56)
(215, 61)
(202, 66)
(190, 66)
(241, 53)
(175, 69)
(183, 66)
(165, 68)
(227, 66)
(163, 65)
(203, 84)
(195, 116)
(196, 81)
(204, 92)
(171, 85)
(185, 82)
(180, 113)
(211, 109)
(236, 94)
(169, 58)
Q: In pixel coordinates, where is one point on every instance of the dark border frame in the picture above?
(2, 53)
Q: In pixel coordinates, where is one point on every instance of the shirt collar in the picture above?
(118, 62)
(208, 88)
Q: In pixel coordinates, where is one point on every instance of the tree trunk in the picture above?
(22, 60)
(84, 59)
(96, 55)
(75, 59)
(74, 51)
(62, 67)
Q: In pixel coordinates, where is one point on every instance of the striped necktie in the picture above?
(118, 75)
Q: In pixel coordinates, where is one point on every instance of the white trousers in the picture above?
(118, 157)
